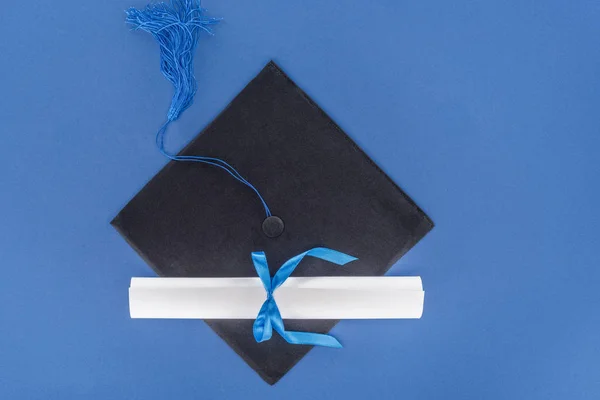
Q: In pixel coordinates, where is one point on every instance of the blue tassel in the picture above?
(177, 26)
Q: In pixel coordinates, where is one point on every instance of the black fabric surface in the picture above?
(194, 220)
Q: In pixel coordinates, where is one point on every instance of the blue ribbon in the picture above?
(269, 317)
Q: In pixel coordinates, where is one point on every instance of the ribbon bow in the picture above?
(269, 317)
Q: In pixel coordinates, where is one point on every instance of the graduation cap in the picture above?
(193, 220)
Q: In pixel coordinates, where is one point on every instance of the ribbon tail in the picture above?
(308, 338)
(323, 253)
(332, 256)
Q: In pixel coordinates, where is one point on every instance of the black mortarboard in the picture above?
(194, 220)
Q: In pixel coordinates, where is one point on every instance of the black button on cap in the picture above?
(273, 226)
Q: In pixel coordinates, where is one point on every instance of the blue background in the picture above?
(486, 113)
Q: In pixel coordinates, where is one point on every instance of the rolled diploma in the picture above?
(298, 298)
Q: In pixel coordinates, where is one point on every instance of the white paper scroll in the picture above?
(298, 298)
